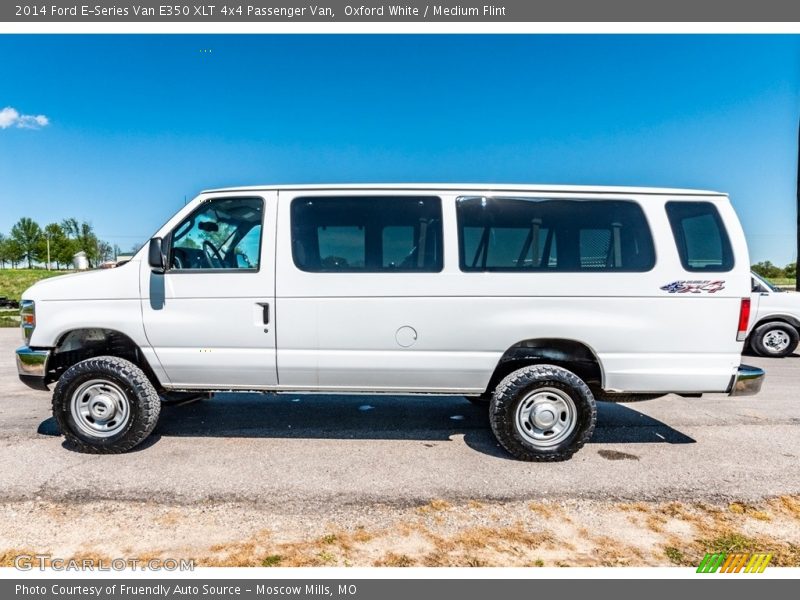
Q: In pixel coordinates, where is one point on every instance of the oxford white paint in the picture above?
(207, 328)
(335, 331)
(769, 305)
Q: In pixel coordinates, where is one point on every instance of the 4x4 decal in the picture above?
(697, 286)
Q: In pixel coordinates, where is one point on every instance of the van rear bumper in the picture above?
(32, 367)
(747, 381)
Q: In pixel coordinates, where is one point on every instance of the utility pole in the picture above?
(797, 277)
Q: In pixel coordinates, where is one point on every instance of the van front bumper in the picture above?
(747, 381)
(32, 367)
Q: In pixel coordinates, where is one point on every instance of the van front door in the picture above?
(210, 316)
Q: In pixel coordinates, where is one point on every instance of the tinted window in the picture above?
(220, 234)
(700, 235)
(367, 234)
(515, 234)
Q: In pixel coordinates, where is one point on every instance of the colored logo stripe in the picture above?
(743, 562)
(758, 563)
(710, 563)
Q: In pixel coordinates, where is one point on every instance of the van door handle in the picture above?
(265, 307)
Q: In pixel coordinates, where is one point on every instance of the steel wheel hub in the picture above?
(546, 417)
(777, 340)
(100, 408)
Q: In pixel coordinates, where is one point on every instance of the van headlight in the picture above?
(27, 314)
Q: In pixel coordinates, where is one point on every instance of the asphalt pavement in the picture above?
(298, 451)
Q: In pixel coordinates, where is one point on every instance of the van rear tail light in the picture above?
(744, 320)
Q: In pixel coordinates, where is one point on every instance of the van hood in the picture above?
(782, 305)
(117, 283)
(784, 297)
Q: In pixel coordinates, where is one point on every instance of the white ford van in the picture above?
(538, 300)
(775, 325)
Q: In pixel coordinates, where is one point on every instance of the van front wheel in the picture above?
(105, 405)
(542, 413)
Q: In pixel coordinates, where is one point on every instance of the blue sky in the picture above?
(136, 123)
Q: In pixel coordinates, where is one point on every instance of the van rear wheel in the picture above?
(542, 413)
(105, 405)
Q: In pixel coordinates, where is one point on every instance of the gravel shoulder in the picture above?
(438, 533)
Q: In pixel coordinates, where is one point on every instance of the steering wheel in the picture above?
(207, 245)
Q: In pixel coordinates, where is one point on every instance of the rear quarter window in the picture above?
(700, 235)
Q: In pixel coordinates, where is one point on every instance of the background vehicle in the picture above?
(776, 319)
(541, 297)
(6, 303)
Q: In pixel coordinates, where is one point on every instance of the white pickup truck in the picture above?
(539, 299)
(776, 319)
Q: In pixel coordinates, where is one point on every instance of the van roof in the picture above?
(488, 187)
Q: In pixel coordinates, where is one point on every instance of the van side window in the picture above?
(532, 234)
(367, 234)
(221, 234)
(700, 235)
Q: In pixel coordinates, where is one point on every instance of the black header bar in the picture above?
(405, 11)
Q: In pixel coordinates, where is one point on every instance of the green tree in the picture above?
(790, 270)
(104, 251)
(3, 251)
(767, 269)
(27, 234)
(48, 242)
(90, 244)
(60, 246)
(71, 227)
(65, 252)
(13, 252)
(84, 237)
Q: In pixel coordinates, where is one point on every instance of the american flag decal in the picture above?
(697, 286)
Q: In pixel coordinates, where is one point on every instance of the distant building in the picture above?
(80, 261)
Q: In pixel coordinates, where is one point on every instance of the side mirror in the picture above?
(155, 256)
